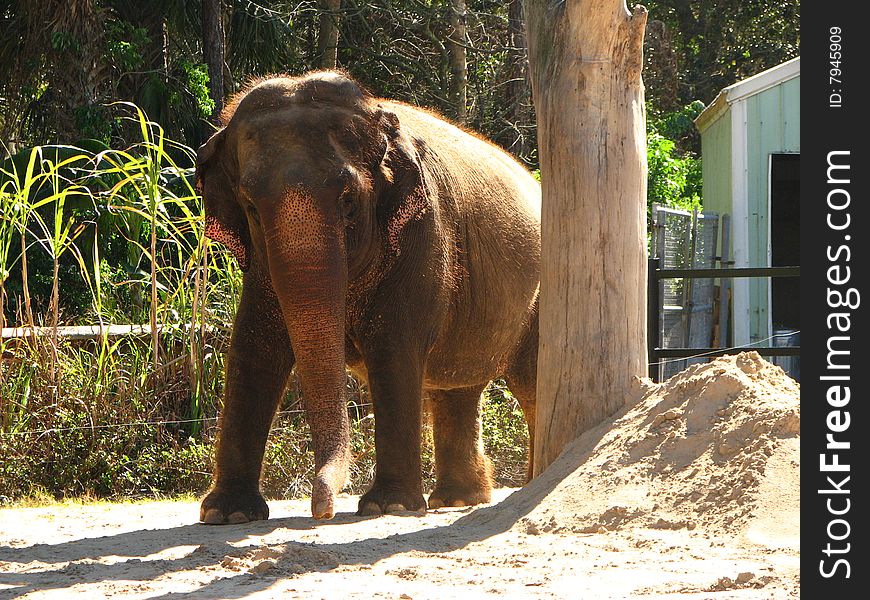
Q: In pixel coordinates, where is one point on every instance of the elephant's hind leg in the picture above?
(464, 473)
(522, 380)
(523, 388)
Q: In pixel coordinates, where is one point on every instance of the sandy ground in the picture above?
(691, 491)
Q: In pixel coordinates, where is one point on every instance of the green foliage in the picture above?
(114, 432)
(70, 203)
(674, 177)
(97, 433)
(94, 121)
(715, 43)
(505, 435)
(63, 41)
(150, 53)
(196, 83)
(125, 44)
(678, 124)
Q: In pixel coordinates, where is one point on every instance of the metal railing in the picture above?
(656, 274)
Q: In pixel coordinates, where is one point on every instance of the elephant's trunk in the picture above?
(308, 268)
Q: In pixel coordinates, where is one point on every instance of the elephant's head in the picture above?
(310, 183)
(316, 151)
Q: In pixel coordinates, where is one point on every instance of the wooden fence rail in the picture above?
(91, 332)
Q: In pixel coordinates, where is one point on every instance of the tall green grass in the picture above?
(137, 415)
(111, 416)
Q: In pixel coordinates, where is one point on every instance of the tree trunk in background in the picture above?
(327, 39)
(585, 59)
(709, 33)
(213, 53)
(661, 72)
(458, 61)
(518, 96)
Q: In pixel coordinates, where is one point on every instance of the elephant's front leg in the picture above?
(258, 366)
(395, 382)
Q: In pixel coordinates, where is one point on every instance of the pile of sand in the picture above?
(715, 447)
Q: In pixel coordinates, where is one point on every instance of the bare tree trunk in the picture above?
(585, 59)
(327, 39)
(518, 96)
(661, 72)
(458, 61)
(213, 53)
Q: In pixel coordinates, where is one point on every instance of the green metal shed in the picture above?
(750, 147)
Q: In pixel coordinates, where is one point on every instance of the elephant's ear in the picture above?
(406, 195)
(224, 220)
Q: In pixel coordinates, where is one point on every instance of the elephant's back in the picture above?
(468, 163)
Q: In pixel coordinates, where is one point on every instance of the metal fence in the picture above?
(688, 313)
(684, 240)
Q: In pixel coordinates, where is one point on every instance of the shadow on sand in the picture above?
(83, 561)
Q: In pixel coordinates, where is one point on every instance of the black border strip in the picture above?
(834, 119)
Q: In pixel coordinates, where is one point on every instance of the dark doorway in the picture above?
(785, 225)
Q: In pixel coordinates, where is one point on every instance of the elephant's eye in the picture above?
(348, 206)
(252, 212)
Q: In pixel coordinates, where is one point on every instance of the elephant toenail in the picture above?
(213, 516)
(237, 517)
(368, 509)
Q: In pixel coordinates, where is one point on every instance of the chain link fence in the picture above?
(685, 240)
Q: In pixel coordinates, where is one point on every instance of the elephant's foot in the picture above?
(450, 494)
(229, 507)
(383, 499)
(463, 482)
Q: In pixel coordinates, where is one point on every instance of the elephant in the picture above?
(375, 237)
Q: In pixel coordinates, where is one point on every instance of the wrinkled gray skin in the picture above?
(377, 236)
